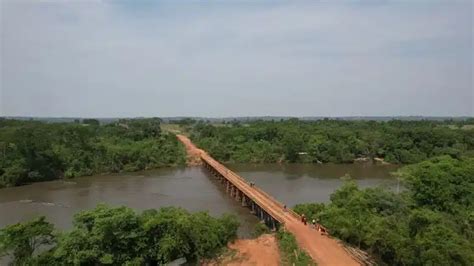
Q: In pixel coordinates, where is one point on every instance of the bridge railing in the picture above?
(242, 184)
(259, 190)
(268, 196)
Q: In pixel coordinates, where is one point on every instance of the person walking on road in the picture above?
(303, 219)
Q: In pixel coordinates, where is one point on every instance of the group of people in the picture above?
(314, 224)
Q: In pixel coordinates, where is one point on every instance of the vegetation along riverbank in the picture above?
(336, 141)
(34, 151)
(119, 236)
(430, 223)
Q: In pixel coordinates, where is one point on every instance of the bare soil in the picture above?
(262, 251)
(193, 157)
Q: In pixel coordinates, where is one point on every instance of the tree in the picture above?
(33, 151)
(104, 235)
(442, 183)
(335, 141)
(431, 223)
(119, 236)
(90, 121)
(23, 239)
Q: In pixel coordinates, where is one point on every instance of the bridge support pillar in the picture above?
(238, 195)
(243, 199)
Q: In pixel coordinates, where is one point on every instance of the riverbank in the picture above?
(261, 251)
(34, 151)
(337, 141)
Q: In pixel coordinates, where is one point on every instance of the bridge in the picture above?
(323, 249)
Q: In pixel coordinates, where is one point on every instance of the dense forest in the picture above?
(33, 151)
(119, 236)
(337, 141)
(430, 223)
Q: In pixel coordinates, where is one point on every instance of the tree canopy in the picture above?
(33, 151)
(430, 223)
(337, 141)
(119, 236)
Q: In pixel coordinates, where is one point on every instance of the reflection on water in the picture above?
(191, 188)
(300, 183)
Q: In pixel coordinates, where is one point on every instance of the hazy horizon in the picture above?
(111, 59)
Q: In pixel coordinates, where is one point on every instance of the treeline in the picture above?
(119, 236)
(337, 141)
(430, 223)
(33, 151)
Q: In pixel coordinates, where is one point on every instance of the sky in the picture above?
(105, 58)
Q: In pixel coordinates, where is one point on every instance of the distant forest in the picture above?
(36, 151)
(33, 151)
(335, 141)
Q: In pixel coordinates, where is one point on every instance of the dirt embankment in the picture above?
(262, 251)
(193, 153)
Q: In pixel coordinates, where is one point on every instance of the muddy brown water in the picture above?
(301, 183)
(189, 187)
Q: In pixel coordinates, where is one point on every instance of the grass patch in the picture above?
(260, 229)
(291, 254)
(172, 128)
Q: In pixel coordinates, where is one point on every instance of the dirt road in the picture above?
(262, 251)
(322, 249)
(193, 153)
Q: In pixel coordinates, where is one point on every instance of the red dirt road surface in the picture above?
(262, 251)
(193, 153)
(322, 249)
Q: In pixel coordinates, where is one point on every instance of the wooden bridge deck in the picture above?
(323, 249)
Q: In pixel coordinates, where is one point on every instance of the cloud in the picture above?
(109, 58)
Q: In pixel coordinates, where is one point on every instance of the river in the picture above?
(189, 187)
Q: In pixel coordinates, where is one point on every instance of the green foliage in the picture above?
(22, 239)
(291, 253)
(310, 210)
(119, 236)
(92, 122)
(443, 183)
(103, 235)
(260, 229)
(431, 223)
(32, 151)
(337, 141)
